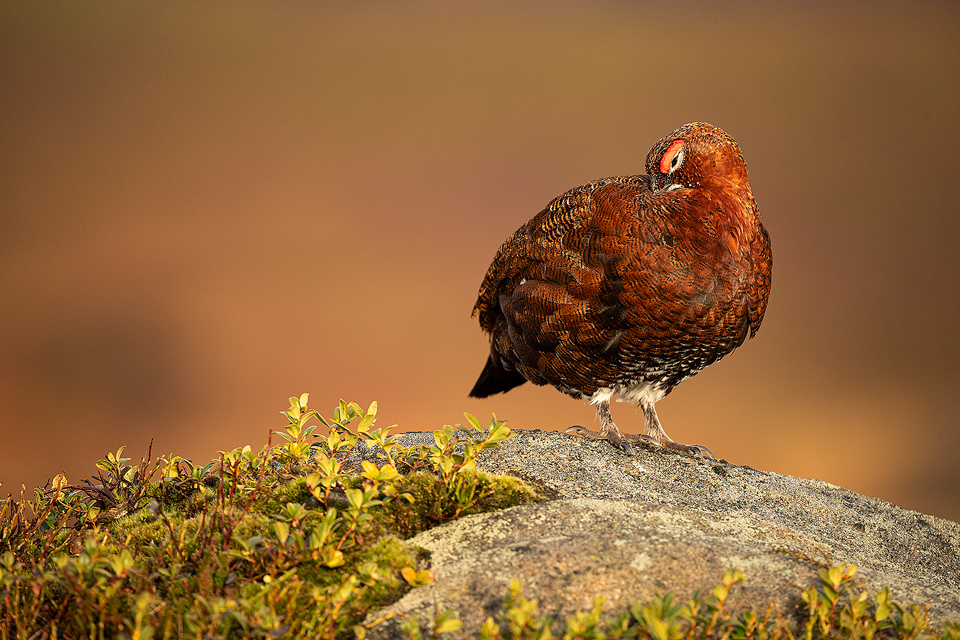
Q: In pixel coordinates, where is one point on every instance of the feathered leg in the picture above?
(608, 429)
(655, 434)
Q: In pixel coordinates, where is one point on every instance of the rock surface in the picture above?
(628, 527)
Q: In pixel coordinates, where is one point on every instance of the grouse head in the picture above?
(693, 156)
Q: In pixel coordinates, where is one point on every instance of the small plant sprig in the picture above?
(462, 488)
(51, 521)
(444, 456)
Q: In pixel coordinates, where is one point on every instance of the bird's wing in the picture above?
(551, 297)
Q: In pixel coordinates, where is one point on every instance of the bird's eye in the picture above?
(672, 157)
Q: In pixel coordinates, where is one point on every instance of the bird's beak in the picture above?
(660, 182)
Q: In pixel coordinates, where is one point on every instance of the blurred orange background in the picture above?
(208, 207)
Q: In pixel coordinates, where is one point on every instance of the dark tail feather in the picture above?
(495, 379)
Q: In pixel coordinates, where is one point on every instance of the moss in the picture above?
(434, 501)
(273, 500)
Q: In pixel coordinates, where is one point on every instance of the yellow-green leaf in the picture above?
(354, 497)
(449, 625)
(365, 423)
(282, 529)
(334, 558)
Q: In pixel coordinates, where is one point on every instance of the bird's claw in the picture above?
(702, 451)
(577, 430)
(695, 450)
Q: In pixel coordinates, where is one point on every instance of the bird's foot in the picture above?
(695, 450)
(625, 442)
(613, 436)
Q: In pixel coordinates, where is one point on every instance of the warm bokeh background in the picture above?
(208, 207)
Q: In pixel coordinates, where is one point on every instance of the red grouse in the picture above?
(627, 286)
